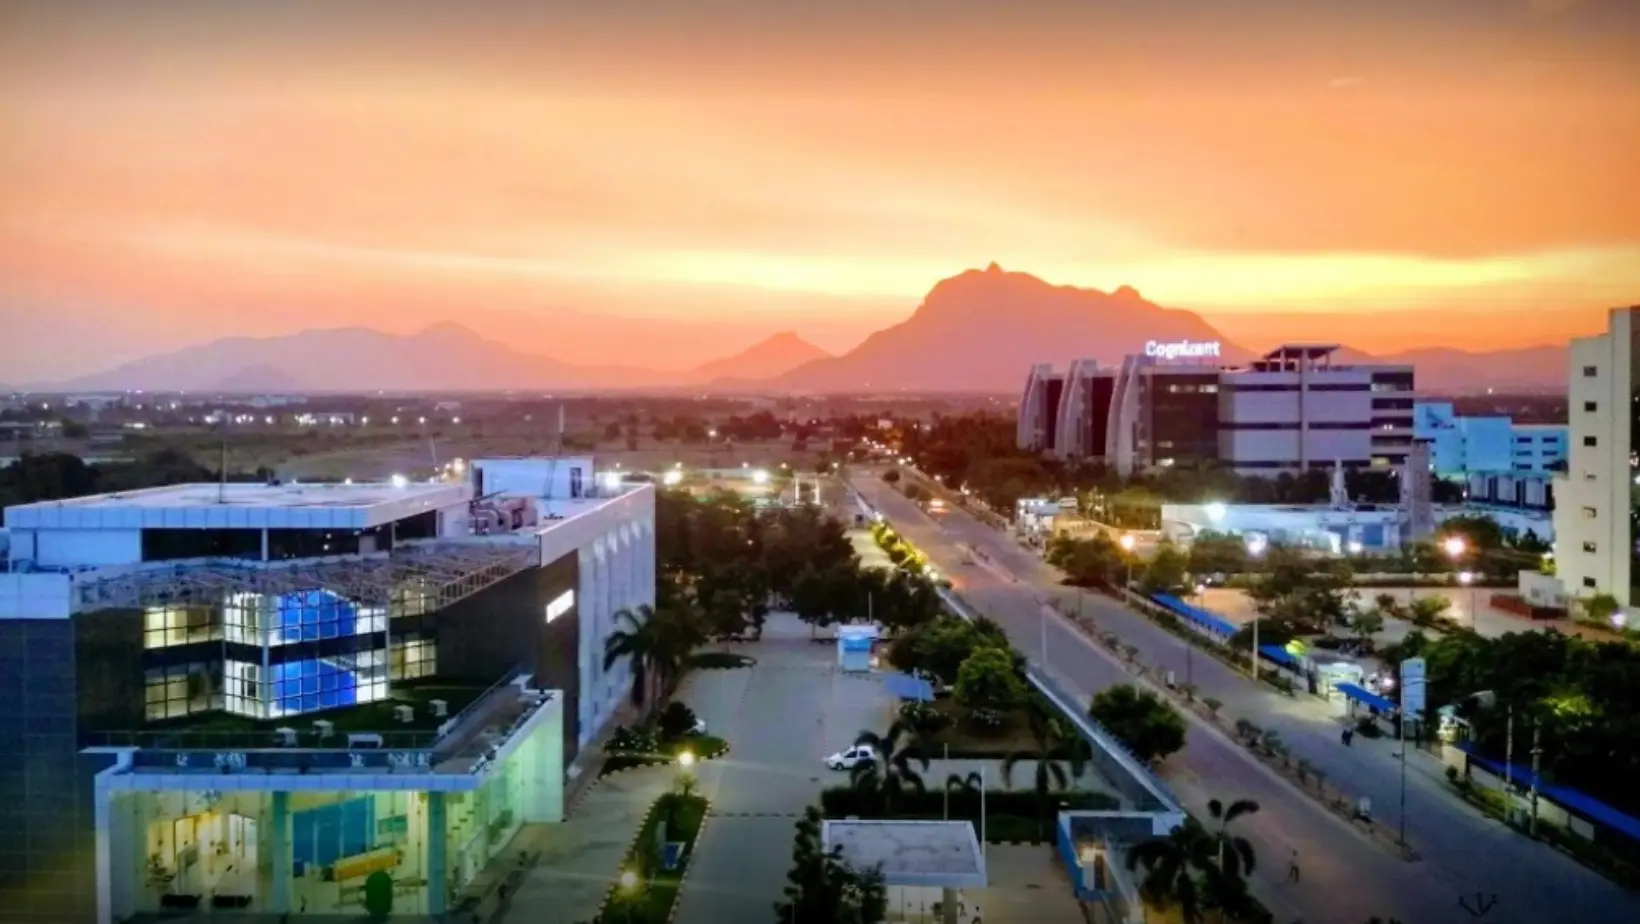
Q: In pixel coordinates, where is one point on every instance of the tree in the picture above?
(1171, 864)
(899, 765)
(825, 597)
(1093, 562)
(1428, 610)
(1217, 553)
(939, 647)
(1601, 608)
(1367, 624)
(656, 644)
(822, 887)
(988, 679)
(1151, 729)
(1235, 855)
(1050, 771)
(1165, 572)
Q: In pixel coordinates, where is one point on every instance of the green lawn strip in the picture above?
(651, 900)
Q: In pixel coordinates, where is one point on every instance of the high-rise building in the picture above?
(1594, 507)
(248, 698)
(1291, 410)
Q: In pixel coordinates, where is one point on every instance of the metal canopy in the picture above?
(432, 575)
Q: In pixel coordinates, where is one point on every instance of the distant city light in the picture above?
(1216, 512)
(399, 481)
(612, 480)
(672, 477)
(760, 477)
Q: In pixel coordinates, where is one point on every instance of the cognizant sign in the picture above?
(1182, 349)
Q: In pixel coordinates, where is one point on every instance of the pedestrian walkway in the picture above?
(581, 857)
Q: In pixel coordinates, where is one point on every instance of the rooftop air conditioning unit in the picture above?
(441, 708)
(286, 737)
(324, 728)
(404, 714)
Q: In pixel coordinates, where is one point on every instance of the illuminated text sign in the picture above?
(1183, 349)
(560, 605)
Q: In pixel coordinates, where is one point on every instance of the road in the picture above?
(1347, 877)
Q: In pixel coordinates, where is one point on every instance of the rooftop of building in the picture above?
(940, 854)
(471, 733)
(288, 495)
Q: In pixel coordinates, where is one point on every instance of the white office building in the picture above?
(1594, 508)
(1462, 445)
(1293, 409)
(249, 699)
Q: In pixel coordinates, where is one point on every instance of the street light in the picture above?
(1128, 544)
(628, 880)
(1256, 547)
(686, 759)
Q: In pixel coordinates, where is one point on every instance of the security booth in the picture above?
(855, 644)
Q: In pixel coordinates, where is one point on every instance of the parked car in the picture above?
(849, 758)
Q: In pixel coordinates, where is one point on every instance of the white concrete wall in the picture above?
(65, 548)
(36, 596)
(1592, 502)
(538, 476)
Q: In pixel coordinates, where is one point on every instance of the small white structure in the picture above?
(854, 646)
(405, 714)
(923, 862)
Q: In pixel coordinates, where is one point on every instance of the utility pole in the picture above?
(1537, 752)
(1509, 753)
(1401, 813)
(1255, 648)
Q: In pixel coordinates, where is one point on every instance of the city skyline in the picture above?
(1289, 170)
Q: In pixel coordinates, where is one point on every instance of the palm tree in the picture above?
(655, 644)
(1234, 854)
(1171, 863)
(1049, 736)
(896, 769)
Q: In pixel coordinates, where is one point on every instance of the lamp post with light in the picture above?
(1128, 544)
(1256, 546)
(1454, 547)
(1467, 579)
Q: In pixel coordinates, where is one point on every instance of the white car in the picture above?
(849, 758)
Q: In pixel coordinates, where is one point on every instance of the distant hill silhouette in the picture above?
(1442, 370)
(261, 379)
(981, 331)
(773, 356)
(445, 357)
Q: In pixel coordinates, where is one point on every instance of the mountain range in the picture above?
(978, 331)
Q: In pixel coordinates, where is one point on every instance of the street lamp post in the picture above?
(1128, 544)
(1256, 546)
(1467, 579)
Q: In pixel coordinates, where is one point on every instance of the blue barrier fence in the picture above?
(1222, 629)
(1569, 799)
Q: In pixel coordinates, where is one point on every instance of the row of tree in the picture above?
(1581, 697)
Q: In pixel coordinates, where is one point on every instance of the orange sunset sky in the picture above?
(662, 183)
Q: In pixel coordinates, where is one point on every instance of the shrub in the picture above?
(924, 719)
(719, 660)
(988, 720)
(1366, 727)
(676, 720)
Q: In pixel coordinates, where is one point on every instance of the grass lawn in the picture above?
(650, 899)
(967, 741)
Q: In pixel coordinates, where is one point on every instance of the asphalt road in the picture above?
(1346, 877)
